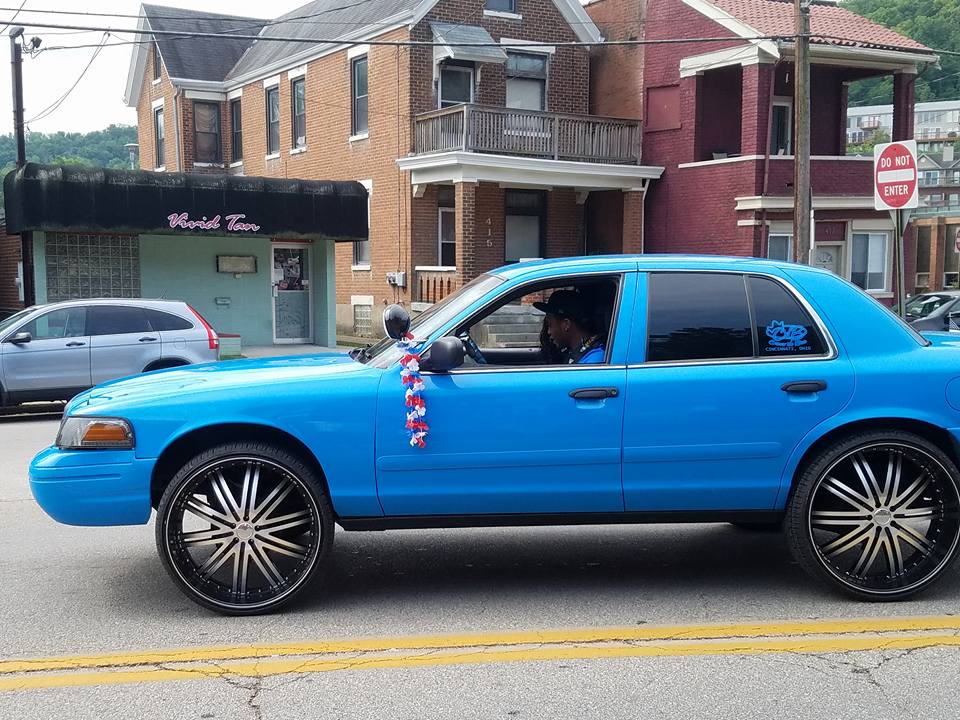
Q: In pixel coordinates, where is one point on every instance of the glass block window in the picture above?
(92, 266)
(363, 320)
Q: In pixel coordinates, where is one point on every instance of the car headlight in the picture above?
(91, 433)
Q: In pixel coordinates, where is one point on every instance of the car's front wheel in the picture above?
(244, 527)
(877, 515)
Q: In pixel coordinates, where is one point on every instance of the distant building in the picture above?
(935, 123)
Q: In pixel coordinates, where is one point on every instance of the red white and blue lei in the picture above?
(410, 377)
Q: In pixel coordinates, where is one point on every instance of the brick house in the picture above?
(472, 155)
(937, 221)
(718, 118)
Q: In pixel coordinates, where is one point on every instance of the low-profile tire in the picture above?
(876, 515)
(243, 528)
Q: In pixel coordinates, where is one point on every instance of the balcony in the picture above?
(527, 133)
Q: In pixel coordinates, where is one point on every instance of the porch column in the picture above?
(633, 220)
(465, 213)
(756, 93)
(904, 100)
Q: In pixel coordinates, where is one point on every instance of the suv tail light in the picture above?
(212, 336)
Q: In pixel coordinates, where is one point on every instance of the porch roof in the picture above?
(81, 199)
(459, 38)
(511, 171)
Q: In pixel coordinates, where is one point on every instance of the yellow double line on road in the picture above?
(529, 646)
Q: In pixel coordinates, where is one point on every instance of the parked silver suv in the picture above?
(52, 352)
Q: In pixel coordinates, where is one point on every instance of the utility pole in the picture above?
(26, 237)
(802, 200)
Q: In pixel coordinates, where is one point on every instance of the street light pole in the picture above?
(802, 200)
(26, 237)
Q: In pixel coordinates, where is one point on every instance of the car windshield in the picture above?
(922, 306)
(385, 353)
(14, 319)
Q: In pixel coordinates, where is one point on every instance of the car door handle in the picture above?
(804, 386)
(76, 343)
(148, 339)
(594, 393)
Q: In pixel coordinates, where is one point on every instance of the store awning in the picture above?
(79, 199)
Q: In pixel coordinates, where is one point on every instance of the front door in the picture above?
(291, 294)
(728, 376)
(55, 363)
(517, 435)
(829, 256)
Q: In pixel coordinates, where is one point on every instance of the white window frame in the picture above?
(454, 68)
(440, 240)
(273, 154)
(786, 102)
(887, 234)
(355, 132)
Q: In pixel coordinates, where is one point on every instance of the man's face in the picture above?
(559, 330)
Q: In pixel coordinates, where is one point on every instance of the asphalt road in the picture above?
(492, 596)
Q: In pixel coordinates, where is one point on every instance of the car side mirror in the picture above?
(396, 322)
(21, 338)
(446, 354)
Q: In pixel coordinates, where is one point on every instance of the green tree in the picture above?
(879, 137)
(936, 24)
(101, 148)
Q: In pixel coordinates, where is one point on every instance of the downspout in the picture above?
(764, 228)
(176, 127)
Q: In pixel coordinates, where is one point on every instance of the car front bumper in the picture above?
(92, 487)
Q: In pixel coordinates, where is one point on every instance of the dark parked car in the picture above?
(931, 311)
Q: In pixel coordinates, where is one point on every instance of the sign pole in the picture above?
(896, 189)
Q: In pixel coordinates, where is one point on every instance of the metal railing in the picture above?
(507, 131)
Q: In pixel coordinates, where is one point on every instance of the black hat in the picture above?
(565, 304)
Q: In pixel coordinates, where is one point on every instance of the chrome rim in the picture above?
(243, 532)
(884, 518)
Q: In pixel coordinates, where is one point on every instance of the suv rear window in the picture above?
(116, 320)
(166, 321)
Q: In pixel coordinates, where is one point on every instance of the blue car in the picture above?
(575, 391)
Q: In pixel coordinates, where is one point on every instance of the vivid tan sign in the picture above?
(182, 221)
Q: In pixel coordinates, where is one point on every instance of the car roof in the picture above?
(594, 263)
(936, 293)
(145, 302)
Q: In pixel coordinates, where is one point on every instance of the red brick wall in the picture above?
(616, 71)
(150, 92)
(604, 222)
(9, 257)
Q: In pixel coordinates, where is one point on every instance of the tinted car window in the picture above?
(63, 323)
(165, 321)
(698, 316)
(116, 320)
(784, 328)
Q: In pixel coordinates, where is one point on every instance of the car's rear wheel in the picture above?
(877, 515)
(244, 527)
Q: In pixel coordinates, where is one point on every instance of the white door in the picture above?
(292, 306)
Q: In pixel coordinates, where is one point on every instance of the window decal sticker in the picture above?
(785, 337)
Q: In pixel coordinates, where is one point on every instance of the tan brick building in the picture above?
(477, 146)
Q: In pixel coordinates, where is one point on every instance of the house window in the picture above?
(273, 121)
(158, 137)
(236, 130)
(206, 128)
(526, 81)
(360, 99)
(869, 263)
(361, 248)
(525, 224)
(447, 234)
(509, 6)
(781, 128)
(456, 85)
(930, 177)
(299, 93)
(157, 63)
(780, 246)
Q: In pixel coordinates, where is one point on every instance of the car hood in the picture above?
(224, 376)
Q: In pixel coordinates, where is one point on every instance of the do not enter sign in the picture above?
(895, 178)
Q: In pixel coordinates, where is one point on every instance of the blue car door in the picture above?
(727, 374)
(504, 439)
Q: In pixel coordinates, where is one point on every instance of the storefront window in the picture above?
(869, 263)
(90, 266)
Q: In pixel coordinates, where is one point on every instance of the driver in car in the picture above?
(570, 329)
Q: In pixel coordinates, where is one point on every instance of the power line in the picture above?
(53, 107)
(15, 14)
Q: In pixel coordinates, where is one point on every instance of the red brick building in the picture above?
(473, 155)
(718, 117)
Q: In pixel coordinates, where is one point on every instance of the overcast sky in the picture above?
(98, 100)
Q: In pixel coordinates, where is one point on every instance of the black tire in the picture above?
(268, 546)
(853, 520)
